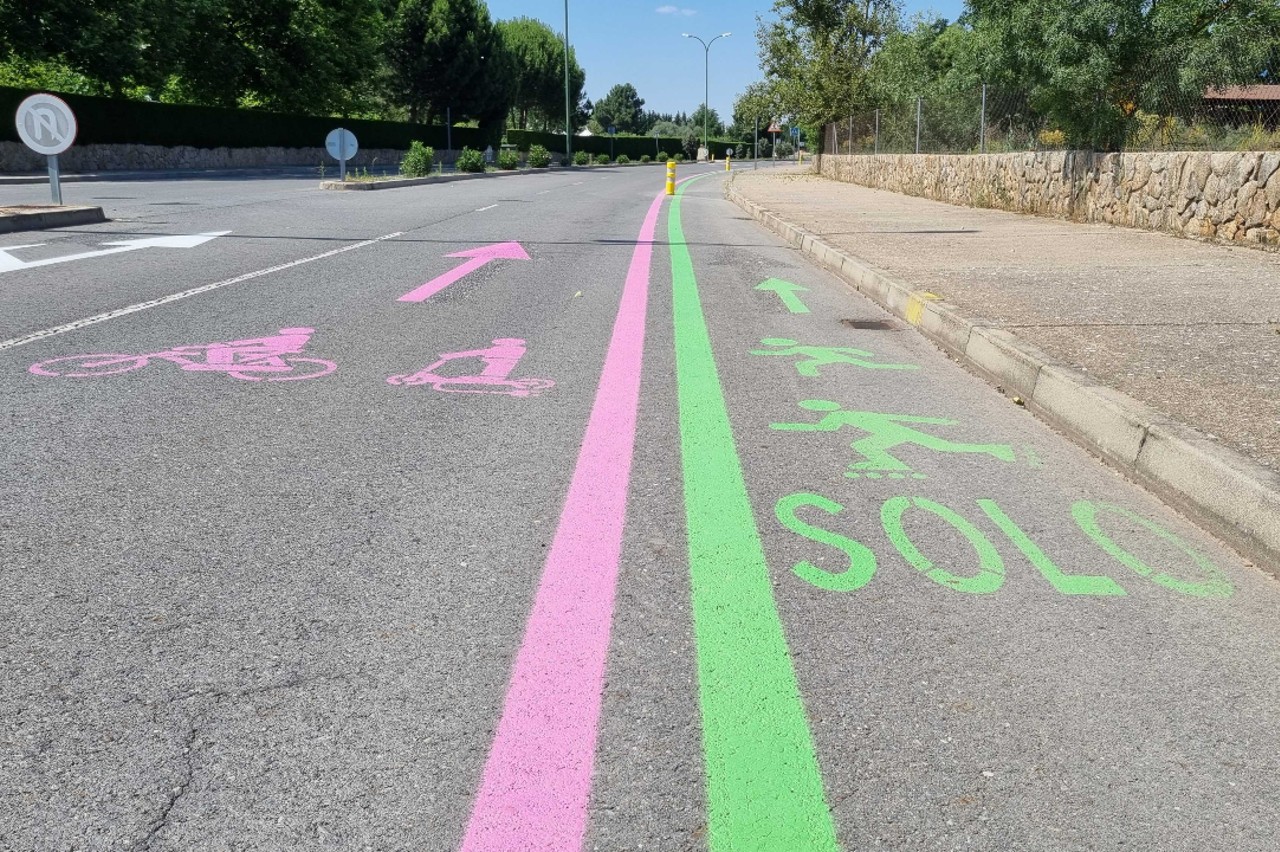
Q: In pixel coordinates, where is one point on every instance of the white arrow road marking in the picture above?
(194, 291)
(9, 263)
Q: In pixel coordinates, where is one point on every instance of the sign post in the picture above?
(47, 126)
(342, 146)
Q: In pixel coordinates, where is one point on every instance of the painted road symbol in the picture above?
(478, 258)
(813, 357)
(275, 358)
(886, 431)
(498, 360)
(787, 293)
(46, 124)
(9, 263)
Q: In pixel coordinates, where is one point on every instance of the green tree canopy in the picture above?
(447, 55)
(622, 108)
(1092, 64)
(538, 55)
(815, 54)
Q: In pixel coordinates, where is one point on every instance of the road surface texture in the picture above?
(320, 529)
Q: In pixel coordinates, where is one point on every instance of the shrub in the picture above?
(680, 158)
(418, 160)
(580, 158)
(663, 156)
(470, 160)
(645, 158)
(602, 160)
(508, 160)
(539, 157)
(623, 159)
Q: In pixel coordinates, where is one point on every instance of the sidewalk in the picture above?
(1189, 331)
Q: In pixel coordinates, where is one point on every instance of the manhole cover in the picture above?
(872, 325)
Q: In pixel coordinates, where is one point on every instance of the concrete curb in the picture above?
(64, 217)
(396, 183)
(1232, 496)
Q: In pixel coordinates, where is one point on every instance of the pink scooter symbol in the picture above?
(498, 360)
(275, 358)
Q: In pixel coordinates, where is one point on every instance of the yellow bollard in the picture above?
(728, 161)
(671, 177)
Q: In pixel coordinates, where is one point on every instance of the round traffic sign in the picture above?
(341, 144)
(46, 124)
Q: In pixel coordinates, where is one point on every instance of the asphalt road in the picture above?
(334, 589)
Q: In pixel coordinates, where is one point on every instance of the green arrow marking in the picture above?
(787, 293)
(764, 789)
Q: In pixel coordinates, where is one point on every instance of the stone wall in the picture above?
(1229, 196)
(16, 157)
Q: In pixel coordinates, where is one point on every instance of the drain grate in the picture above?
(872, 325)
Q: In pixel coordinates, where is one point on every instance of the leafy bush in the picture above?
(663, 156)
(539, 157)
(602, 160)
(470, 160)
(680, 158)
(580, 158)
(508, 160)
(623, 159)
(645, 158)
(418, 160)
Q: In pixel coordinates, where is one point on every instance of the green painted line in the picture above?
(764, 788)
(787, 293)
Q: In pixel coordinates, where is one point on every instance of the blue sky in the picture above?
(625, 41)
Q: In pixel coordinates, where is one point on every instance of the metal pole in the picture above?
(342, 155)
(55, 180)
(919, 101)
(706, 97)
(568, 138)
(982, 123)
(877, 147)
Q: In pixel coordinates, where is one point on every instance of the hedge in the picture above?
(110, 120)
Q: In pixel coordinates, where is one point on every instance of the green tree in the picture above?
(815, 54)
(538, 55)
(714, 125)
(622, 108)
(446, 55)
(1092, 64)
(112, 45)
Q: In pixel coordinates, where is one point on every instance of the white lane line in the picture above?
(195, 291)
(482, 209)
(543, 192)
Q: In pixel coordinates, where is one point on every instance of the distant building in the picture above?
(1243, 105)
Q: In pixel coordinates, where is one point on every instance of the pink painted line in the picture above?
(479, 257)
(537, 781)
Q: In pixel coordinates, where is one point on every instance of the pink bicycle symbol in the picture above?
(498, 360)
(273, 358)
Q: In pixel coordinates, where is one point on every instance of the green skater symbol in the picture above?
(886, 431)
(821, 356)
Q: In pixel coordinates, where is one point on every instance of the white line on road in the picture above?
(164, 300)
(482, 209)
(543, 192)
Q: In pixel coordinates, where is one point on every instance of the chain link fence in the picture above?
(993, 120)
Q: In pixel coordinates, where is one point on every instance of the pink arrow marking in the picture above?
(479, 257)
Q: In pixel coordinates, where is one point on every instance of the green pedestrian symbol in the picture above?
(816, 357)
(886, 432)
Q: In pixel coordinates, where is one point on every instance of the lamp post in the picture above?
(706, 92)
(568, 143)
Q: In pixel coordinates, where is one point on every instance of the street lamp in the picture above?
(568, 144)
(706, 92)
